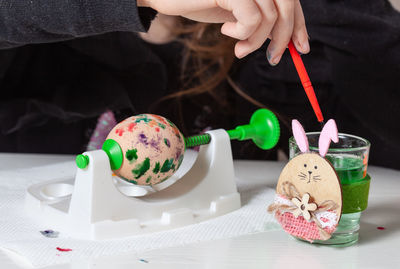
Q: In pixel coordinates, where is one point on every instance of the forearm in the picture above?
(41, 21)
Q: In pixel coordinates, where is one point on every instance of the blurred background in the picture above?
(54, 94)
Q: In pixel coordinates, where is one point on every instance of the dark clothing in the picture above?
(40, 21)
(53, 93)
(354, 66)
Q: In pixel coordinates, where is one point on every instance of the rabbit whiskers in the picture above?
(316, 178)
(302, 176)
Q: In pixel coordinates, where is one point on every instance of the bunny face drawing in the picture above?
(312, 174)
(309, 199)
(309, 168)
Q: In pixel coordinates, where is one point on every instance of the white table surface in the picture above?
(275, 249)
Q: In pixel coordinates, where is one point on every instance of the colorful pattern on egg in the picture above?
(153, 148)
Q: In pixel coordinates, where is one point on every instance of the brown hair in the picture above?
(207, 60)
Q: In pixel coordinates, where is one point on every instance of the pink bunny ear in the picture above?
(328, 133)
(300, 136)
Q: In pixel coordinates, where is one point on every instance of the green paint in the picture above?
(355, 187)
(161, 125)
(129, 180)
(171, 123)
(349, 169)
(142, 168)
(148, 179)
(167, 165)
(166, 142)
(131, 155)
(144, 119)
(156, 168)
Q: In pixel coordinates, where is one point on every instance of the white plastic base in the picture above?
(96, 208)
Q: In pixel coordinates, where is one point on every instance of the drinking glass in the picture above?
(349, 157)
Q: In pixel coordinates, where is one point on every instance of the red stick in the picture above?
(305, 81)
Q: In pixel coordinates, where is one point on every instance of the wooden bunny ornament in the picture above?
(308, 201)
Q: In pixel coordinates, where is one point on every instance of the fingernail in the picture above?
(268, 55)
(305, 47)
(240, 54)
(272, 60)
(276, 60)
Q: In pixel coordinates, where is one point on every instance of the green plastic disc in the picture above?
(263, 129)
(114, 153)
(267, 128)
(82, 161)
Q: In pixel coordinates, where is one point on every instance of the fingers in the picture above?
(282, 31)
(250, 21)
(178, 7)
(248, 18)
(214, 15)
(300, 35)
(257, 39)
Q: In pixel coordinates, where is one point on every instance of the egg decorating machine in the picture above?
(102, 202)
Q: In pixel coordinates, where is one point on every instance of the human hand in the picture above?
(249, 21)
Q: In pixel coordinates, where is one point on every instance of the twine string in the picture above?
(289, 190)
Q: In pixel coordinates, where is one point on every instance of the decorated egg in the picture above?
(152, 148)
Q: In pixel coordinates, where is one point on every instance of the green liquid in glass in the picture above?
(350, 169)
(355, 188)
